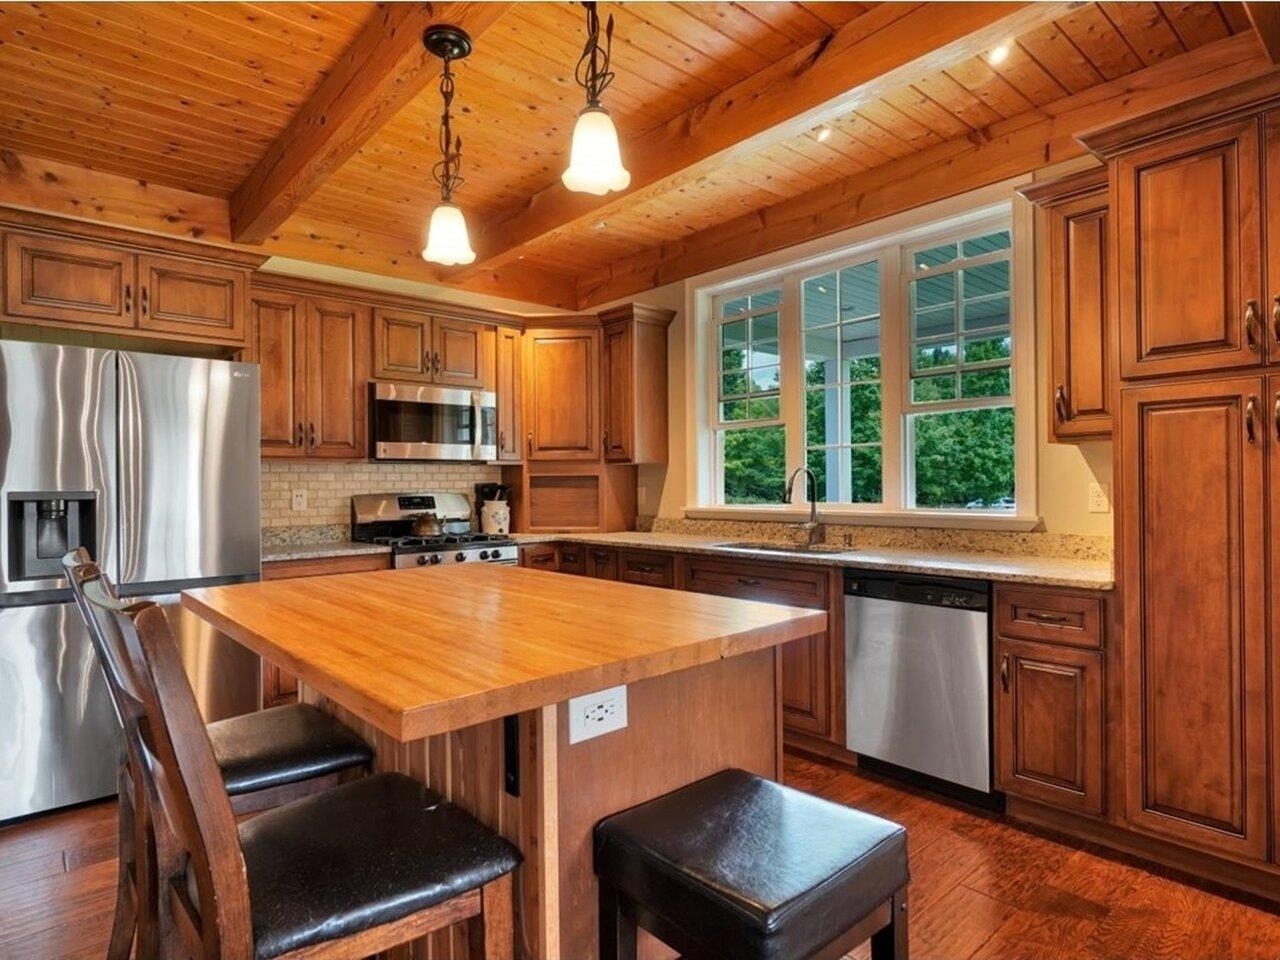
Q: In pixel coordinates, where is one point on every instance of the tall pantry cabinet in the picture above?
(1197, 308)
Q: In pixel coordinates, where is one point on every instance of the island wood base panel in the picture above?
(680, 727)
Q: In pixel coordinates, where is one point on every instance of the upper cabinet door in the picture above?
(460, 354)
(1189, 252)
(617, 395)
(1080, 399)
(509, 383)
(205, 300)
(562, 405)
(1192, 523)
(277, 342)
(401, 345)
(72, 280)
(338, 362)
(1272, 294)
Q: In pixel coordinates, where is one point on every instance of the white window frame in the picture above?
(888, 239)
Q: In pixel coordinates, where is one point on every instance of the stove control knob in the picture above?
(459, 557)
(484, 554)
(422, 560)
(435, 558)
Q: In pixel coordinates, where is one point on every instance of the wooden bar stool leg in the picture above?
(125, 919)
(617, 929)
(492, 934)
(890, 942)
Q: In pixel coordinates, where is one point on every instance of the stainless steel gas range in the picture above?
(426, 529)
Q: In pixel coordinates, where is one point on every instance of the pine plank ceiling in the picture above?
(192, 95)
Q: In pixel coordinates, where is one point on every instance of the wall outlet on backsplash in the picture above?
(298, 500)
(1099, 498)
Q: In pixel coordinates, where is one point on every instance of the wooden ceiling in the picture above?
(314, 125)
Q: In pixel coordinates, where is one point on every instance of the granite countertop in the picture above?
(318, 551)
(1046, 571)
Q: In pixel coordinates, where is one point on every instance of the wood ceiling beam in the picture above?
(1265, 18)
(379, 73)
(885, 49)
(1006, 149)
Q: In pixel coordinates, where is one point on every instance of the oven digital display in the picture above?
(416, 503)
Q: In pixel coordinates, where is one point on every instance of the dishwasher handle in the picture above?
(925, 591)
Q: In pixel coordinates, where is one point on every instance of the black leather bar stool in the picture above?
(736, 866)
(266, 759)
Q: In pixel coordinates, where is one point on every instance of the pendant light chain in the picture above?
(448, 171)
(593, 73)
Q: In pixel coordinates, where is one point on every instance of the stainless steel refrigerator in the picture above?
(151, 462)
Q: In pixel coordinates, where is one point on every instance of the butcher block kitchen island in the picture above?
(461, 676)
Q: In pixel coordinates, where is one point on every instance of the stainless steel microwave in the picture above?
(413, 421)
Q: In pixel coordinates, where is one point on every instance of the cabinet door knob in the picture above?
(1060, 406)
(1251, 324)
(1004, 673)
(1250, 414)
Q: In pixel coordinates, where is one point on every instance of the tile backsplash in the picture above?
(330, 486)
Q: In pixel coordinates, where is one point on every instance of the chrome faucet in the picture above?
(812, 529)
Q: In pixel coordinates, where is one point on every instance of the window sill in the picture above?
(870, 518)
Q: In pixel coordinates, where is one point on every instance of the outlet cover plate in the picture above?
(595, 714)
(298, 499)
(1099, 498)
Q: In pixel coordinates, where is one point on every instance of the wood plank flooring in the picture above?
(981, 888)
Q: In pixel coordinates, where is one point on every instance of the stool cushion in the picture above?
(362, 854)
(750, 869)
(283, 745)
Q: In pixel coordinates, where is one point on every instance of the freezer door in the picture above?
(59, 736)
(189, 463)
(57, 433)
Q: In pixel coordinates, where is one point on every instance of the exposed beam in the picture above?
(885, 49)
(1006, 149)
(1265, 18)
(379, 73)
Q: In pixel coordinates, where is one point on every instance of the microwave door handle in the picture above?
(477, 425)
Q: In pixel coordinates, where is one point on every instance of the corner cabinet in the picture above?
(79, 281)
(1074, 224)
(314, 355)
(633, 392)
(1193, 519)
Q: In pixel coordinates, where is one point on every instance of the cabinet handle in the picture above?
(1060, 406)
(502, 439)
(300, 437)
(642, 567)
(1275, 316)
(1250, 414)
(544, 558)
(605, 438)
(748, 582)
(529, 441)
(600, 556)
(435, 363)
(1275, 416)
(1046, 617)
(1004, 673)
(1251, 324)
(426, 361)
(313, 436)
(146, 300)
(128, 298)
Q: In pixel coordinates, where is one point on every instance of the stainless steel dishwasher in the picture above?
(917, 690)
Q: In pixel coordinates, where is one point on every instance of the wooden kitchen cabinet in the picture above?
(1193, 516)
(204, 300)
(277, 341)
(602, 563)
(540, 556)
(1189, 246)
(561, 393)
(75, 280)
(633, 393)
(573, 558)
(1075, 222)
(1049, 724)
(509, 384)
(647, 568)
(411, 345)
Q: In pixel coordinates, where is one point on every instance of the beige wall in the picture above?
(1063, 471)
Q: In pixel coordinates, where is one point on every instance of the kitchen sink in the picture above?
(784, 547)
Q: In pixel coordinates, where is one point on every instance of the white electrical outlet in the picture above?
(298, 499)
(596, 714)
(1099, 498)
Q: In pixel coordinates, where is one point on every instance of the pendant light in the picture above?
(447, 240)
(595, 162)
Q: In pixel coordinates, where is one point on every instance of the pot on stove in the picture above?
(427, 525)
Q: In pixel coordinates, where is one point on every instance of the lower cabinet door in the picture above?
(1049, 724)
(804, 686)
(602, 563)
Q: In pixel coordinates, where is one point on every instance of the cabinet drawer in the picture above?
(1067, 618)
(651, 569)
(602, 563)
(751, 581)
(573, 558)
(540, 556)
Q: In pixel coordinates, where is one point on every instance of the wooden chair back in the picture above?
(169, 746)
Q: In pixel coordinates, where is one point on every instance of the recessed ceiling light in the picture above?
(999, 54)
(823, 133)
(601, 224)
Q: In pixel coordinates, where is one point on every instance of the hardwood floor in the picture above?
(980, 890)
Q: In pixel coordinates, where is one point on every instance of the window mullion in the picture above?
(895, 377)
(791, 348)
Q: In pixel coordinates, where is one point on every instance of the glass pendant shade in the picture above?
(595, 163)
(447, 240)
